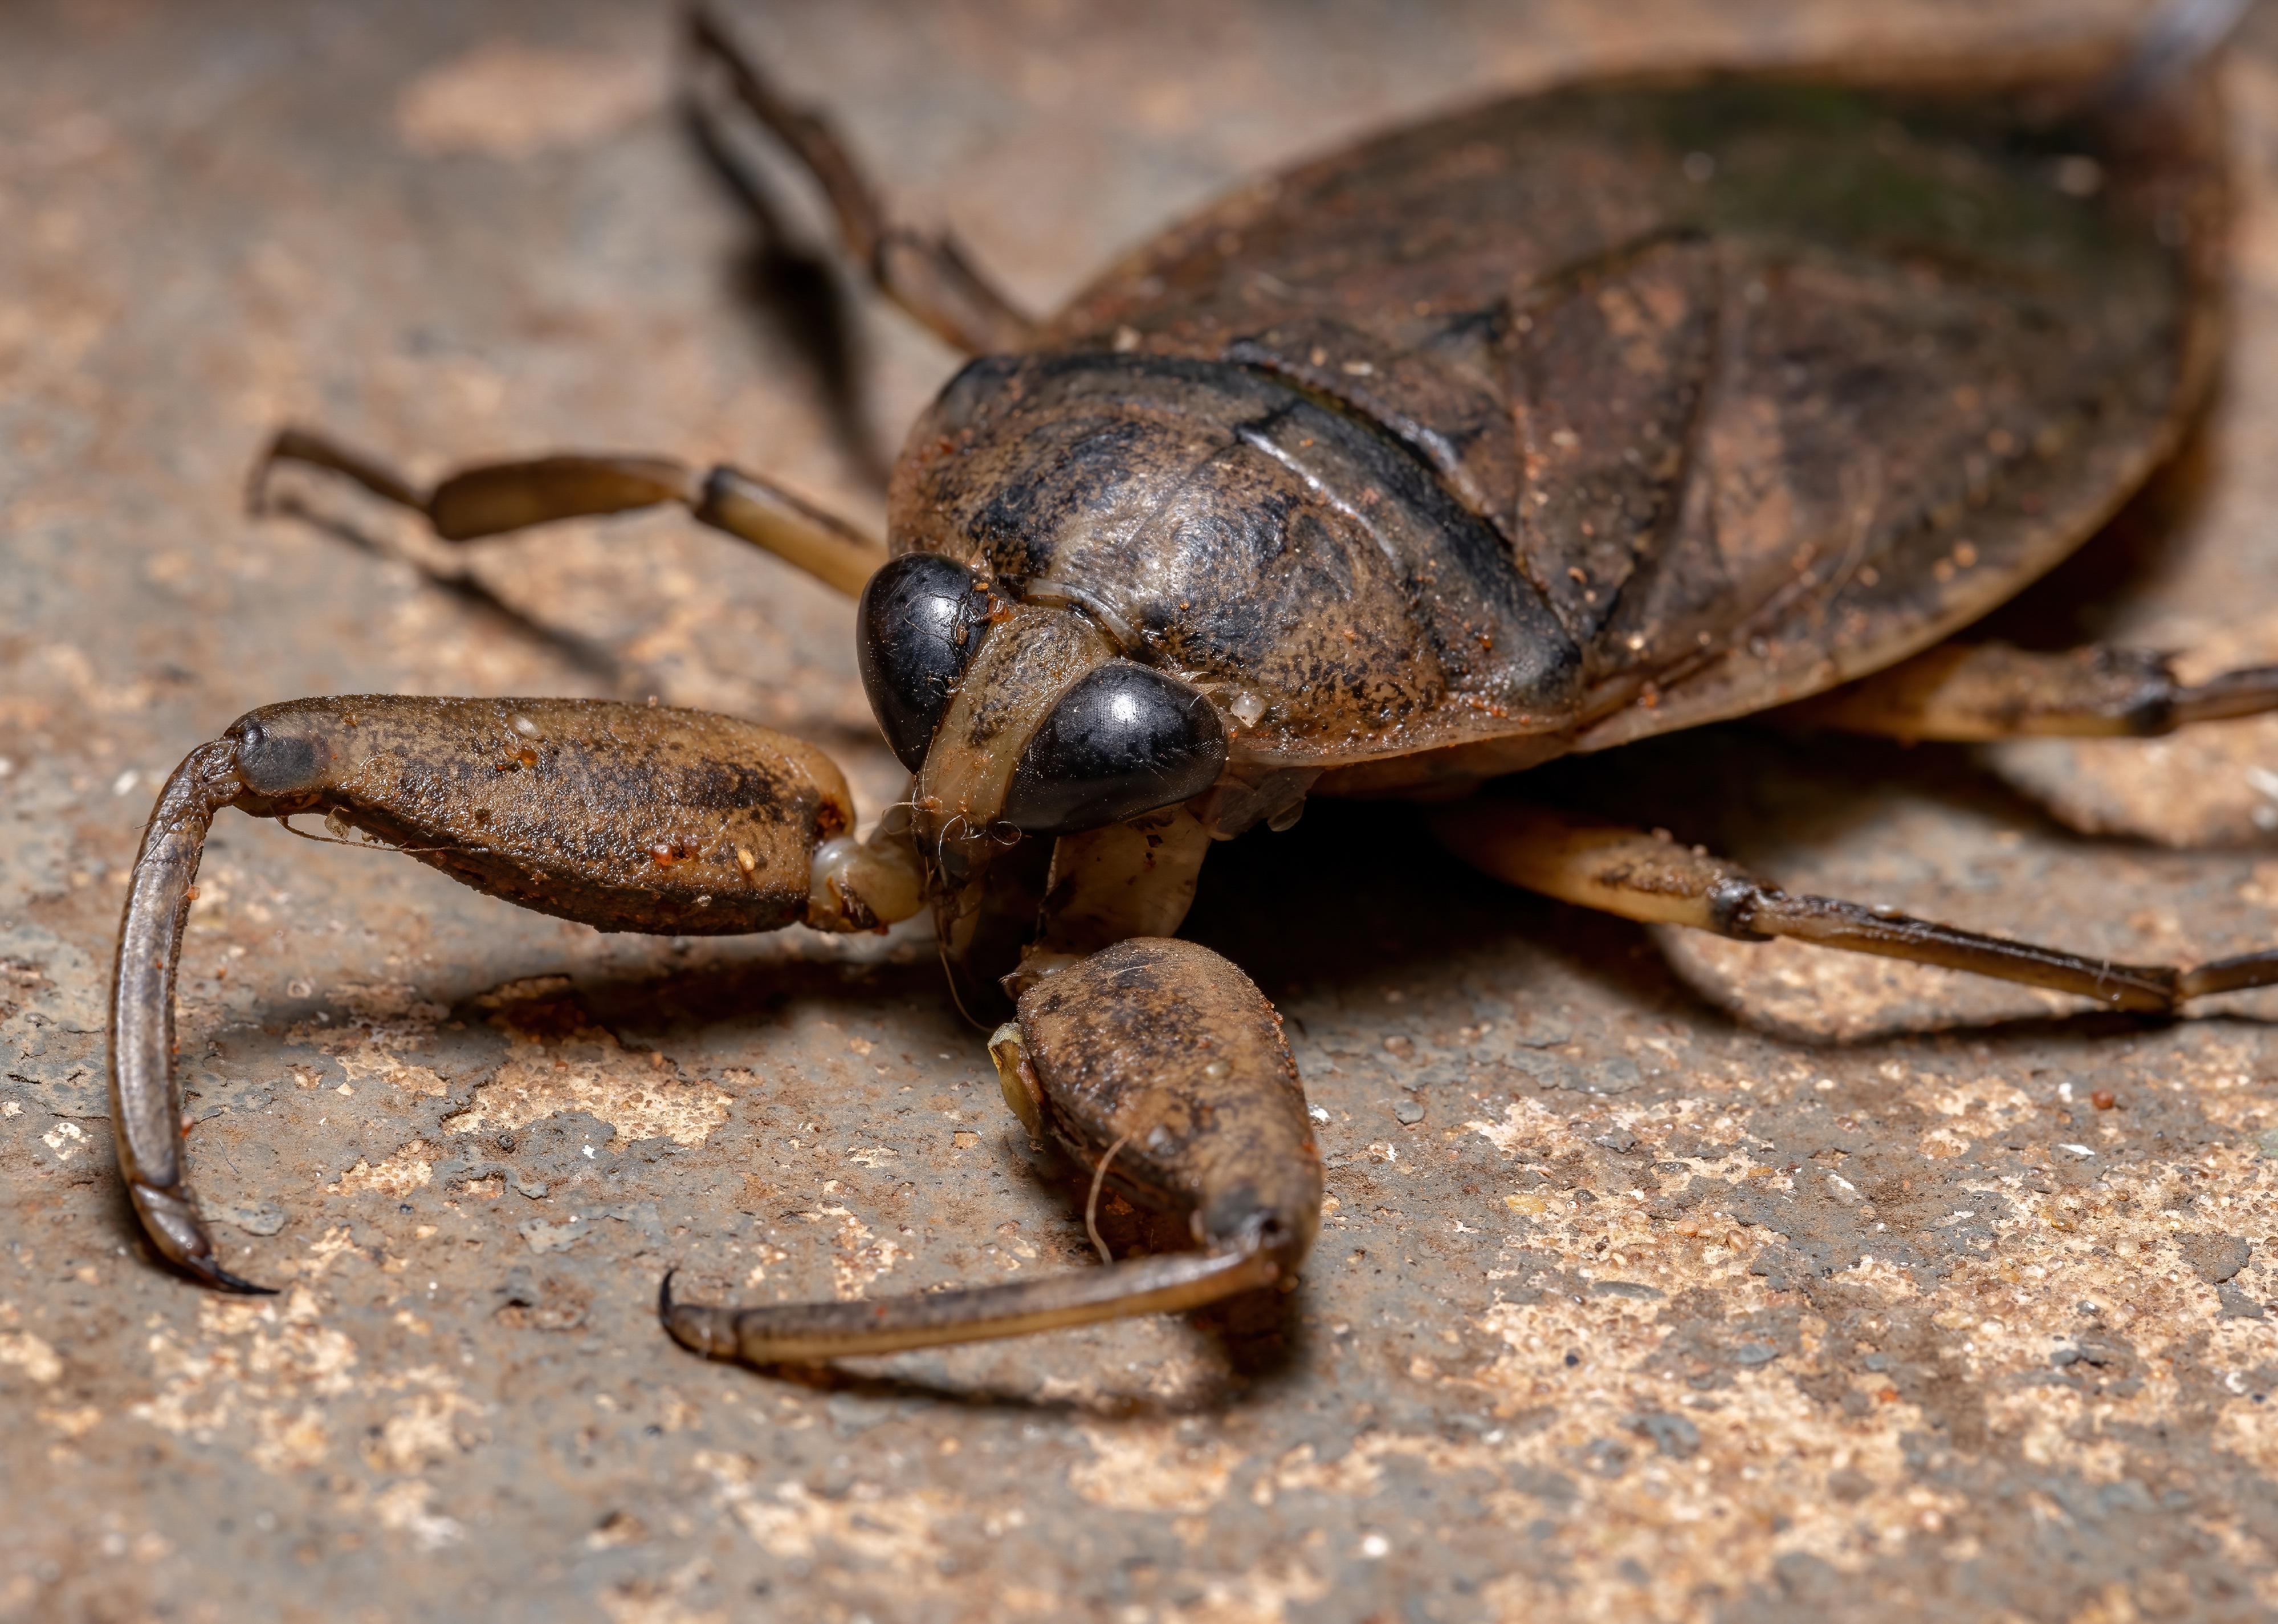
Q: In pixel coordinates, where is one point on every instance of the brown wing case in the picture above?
(1761, 383)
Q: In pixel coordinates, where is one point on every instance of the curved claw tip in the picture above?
(171, 1222)
(664, 1295)
(216, 1275)
(207, 1272)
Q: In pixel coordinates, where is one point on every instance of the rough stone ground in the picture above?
(1664, 1277)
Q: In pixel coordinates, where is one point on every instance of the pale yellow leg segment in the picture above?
(1635, 875)
(497, 497)
(1131, 879)
(1979, 692)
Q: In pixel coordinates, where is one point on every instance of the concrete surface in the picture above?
(1665, 1277)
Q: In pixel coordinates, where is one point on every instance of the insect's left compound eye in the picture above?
(1124, 740)
(921, 619)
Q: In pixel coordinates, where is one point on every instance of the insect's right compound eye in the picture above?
(1124, 740)
(920, 621)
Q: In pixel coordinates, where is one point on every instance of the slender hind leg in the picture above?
(1163, 1070)
(1984, 691)
(495, 498)
(928, 276)
(1639, 876)
(625, 817)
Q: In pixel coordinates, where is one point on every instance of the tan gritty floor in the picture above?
(1662, 1277)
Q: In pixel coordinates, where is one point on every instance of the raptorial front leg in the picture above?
(495, 498)
(1980, 692)
(927, 274)
(1636, 875)
(634, 818)
(1162, 1070)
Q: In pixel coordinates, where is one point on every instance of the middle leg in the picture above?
(493, 498)
(1635, 875)
(1980, 692)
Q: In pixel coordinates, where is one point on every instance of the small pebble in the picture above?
(1672, 1435)
(2103, 1099)
(1410, 1111)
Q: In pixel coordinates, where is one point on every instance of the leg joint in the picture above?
(1732, 905)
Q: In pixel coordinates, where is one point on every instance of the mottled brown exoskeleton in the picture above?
(1538, 429)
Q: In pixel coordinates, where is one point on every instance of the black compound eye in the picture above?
(1125, 740)
(921, 618)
